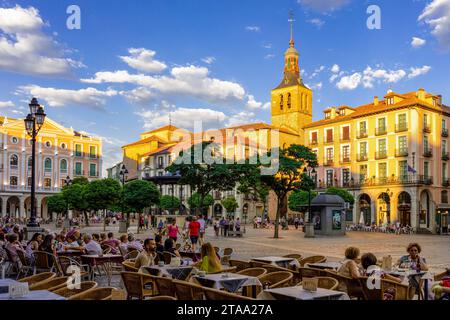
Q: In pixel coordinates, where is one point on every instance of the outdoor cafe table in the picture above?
(179, 273)
(32, 295)
(325, 265)
(413, 277)
(195, 256)
(230, 281)
(279, 261)
(298, 293)
(106, 261)
(5, 283)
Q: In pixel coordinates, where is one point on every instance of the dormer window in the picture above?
(390, 101)
(281, 102)
(327, 115)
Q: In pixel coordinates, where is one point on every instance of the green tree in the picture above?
(194, 202)
(299, 199)
(230, 204)
(170, 203)
(80, 180)
(57, 204)
(250, 183)
(75, 196)
(290, 176)
(139, 194)
(204, 176)
(343, 193)
(103, 194)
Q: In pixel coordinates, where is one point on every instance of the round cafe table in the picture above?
(106, 261)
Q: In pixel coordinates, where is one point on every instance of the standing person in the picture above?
(255, 222)
(296, 223)
(216, 227)
(172, 230)
(202, 229)
(141, 221)
(146, 222)
(231, 224)
(160, 226)
(226, 225)
(237, 225)
(222, 226)
(194, 232)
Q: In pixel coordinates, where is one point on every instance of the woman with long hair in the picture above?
(210, 261)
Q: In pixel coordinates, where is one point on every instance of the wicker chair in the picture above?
(95, 294)
(135, 283)
(162, 298)
(63, 263)
(26, 265)
(294, 256)
(276, 279)
(239, 264)
(399, 291)
(214, 294)
(50, 285)
(311, 272)
(164, 286)
(253, 272)
(229, 270)
(325, 283)
(187, 290)
(227, 253)
(44, 261)
(297, 276)
(132, 253)
(168, 257)
(369, 294)
(129, 266)
(257, 264)
(38, 278)
(67, 292)
(313, 259)
(353, 286)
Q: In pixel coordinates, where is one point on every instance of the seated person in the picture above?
(370, 268)
(209, 262)
(147, 256)
(91, 247)
(111, 242)
(123, 242)
(413, 260)
(349, 266)
(169, 246)
(72, 244)
(159, 247)
(134, 243)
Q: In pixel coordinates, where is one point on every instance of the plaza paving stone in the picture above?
(260, 242)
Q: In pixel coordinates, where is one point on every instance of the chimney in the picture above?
(375, 101)
(332, 113)
(421, 94)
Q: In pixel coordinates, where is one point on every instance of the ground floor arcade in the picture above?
(18, 205)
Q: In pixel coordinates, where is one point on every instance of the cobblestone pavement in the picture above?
(260, 242)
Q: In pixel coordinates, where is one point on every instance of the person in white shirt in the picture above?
(134, 243)
(92, 247)
(202, 228)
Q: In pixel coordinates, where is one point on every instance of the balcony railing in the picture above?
(78, 154)
(78, 172)
(345, 160)
(444, 132)
(380, 155)
(427, 152)
(93, 173)
(393, 180)
(427, 129)
(401, 152)
(445, 156)
(445, 182)
(313, 143)
(328, 162)
(92, 156)
(401, 127)
(361, 135)
(380, 131)
(329, 140)
(361, 157)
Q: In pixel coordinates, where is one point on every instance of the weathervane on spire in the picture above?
(291, 21)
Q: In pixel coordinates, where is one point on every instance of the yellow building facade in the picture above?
(392, 154)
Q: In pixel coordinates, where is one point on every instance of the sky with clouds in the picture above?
(134, 62)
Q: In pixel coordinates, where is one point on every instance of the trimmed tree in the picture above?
(57, 204)
(299, 199)
(169, 203)
(290, 175)
(343, 193)
(103, 194)
(139, 194)
(230, 204)
(194, 202)
(75, 196)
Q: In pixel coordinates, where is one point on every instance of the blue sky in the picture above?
(134, 62)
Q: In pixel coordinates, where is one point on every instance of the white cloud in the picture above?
(417, 42)
(209, 60)
(25, 48)
(253, 104)
(191, 80)
(138, 95)
(415, 72)
(323, 5)
(253, 28)
(181, 117)
(387, 76)
(63, 97)
(6, 104)
(241, 118)
(349, 82)
(437, 15)
(334, 77)
(269, 56)
(143, 60)
(335, 68)
(317, 71)
(267, 46)
(317, 22)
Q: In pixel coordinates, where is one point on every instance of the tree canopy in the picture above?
(343, 193)
(299, 199)
(102, 194)
(57, 204)
(140, 194)
(194, 201)
(170, 203)
(230, 204)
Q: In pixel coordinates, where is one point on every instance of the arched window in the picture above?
(63, 165)
(444, 196)
(14, 161)
(48, 165)
(281, 102)
(289, 101)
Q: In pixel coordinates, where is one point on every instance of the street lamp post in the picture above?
(67, 183)
(309, 227)
(123, 172)
(33, 124)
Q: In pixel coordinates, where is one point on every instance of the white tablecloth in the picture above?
(297, 293)
(279, 261)
(180, 273)
(232, 282)
(35, 295)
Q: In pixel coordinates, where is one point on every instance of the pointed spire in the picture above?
(291, 21)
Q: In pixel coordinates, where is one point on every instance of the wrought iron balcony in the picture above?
(380, 131)
(345, 160)
(444, 133)
(427, 128)
(401, 152)
(427, 152)
(313, 143)
(401, 127)
(361, 135)
(413, 179)
(445, 156)
(445, 182)
(380, 155)
(361, 157)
